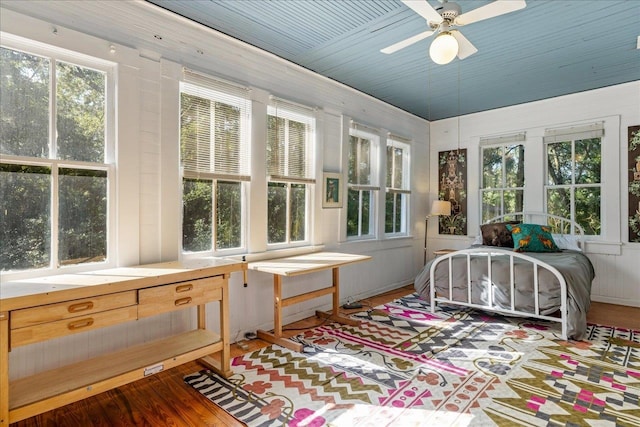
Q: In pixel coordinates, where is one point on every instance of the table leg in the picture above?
(225, 362)
(335, 313)
(335, 282)
(4, 369)
(276, 337)
(277, 306)
(223, 367)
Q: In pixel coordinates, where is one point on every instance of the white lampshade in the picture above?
(441, 207)
(444, 48)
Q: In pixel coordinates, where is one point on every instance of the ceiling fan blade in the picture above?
(407, 42)
(465, 48)
(424, 9)
(498, 7)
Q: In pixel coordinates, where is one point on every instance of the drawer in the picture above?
(176, 296)
(46, 331)
(70, 309)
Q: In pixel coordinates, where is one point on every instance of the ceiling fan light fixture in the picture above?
(444, 48)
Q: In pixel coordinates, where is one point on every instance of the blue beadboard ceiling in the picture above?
(548, 49)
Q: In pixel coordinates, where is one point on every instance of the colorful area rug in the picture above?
(404, 366)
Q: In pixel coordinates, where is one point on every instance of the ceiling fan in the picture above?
(450, 43)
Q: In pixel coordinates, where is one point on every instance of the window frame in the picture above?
(503, 143)
(217, 90)
(289, 111)
(403, 190)
(571, 136)
(56, 54)
(372, 187)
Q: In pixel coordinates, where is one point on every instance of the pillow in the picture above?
(567, 241)
(532, 238)
(496, 234)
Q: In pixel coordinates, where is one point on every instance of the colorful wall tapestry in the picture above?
(634, 184)
(452, 172)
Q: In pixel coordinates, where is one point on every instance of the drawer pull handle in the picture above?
(183, 301)
(184, 288)
(82, 323)
(81, 306)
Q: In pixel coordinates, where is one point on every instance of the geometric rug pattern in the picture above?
(404, 366)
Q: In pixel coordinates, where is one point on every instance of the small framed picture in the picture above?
(332, 195)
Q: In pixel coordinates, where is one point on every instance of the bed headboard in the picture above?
(558, 224)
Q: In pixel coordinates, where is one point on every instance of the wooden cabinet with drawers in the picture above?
(36, 310)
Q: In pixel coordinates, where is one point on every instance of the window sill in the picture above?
(277, 253)
(603, 247)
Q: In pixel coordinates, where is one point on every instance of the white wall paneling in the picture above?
(614, 258)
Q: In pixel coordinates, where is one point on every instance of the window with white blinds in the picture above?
(215, 128)
(290, 169)
(398, 185)
(290, 142)
(215, 119)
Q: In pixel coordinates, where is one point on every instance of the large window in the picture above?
(398, 186)
(290, 151)
(573, 183)
(502, 189)
(55, 148)
(361, 183)
(214, 154)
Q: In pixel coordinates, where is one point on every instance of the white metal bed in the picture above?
(463, 259)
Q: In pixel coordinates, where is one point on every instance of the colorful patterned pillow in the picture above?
(532, 238)
(496, 234)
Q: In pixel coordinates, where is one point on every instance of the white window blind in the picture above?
(215, 128)
(290, 142)
(503, 139)
(593, 130)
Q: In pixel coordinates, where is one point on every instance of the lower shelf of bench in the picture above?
(52, 389)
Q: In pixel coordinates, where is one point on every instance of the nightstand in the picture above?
(443, 251)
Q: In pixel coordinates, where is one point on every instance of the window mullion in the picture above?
(360, 201)
(214, 214)
(53, 154)
(54, 210)
(287, 226)
(53, 134)
(286, 147)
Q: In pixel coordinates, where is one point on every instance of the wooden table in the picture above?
(296, 266)
(36, 310)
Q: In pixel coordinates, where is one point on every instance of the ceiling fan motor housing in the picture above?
(449, 11)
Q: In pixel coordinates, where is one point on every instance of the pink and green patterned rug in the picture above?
(403, 366)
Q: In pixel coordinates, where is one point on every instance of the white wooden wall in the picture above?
(615, 259)
(149, 206)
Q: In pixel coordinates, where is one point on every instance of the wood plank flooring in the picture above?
(165, 400)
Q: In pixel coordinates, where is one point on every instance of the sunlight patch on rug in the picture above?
(404, 366)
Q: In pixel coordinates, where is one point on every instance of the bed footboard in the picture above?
(463, 260)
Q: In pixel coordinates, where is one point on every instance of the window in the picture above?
(502, 189)
(398, 186)
(290, 150)
(214, 154)
(361, 183)
(573, 184)
(55, 171)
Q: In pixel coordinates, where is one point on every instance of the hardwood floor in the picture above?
(164, 399)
